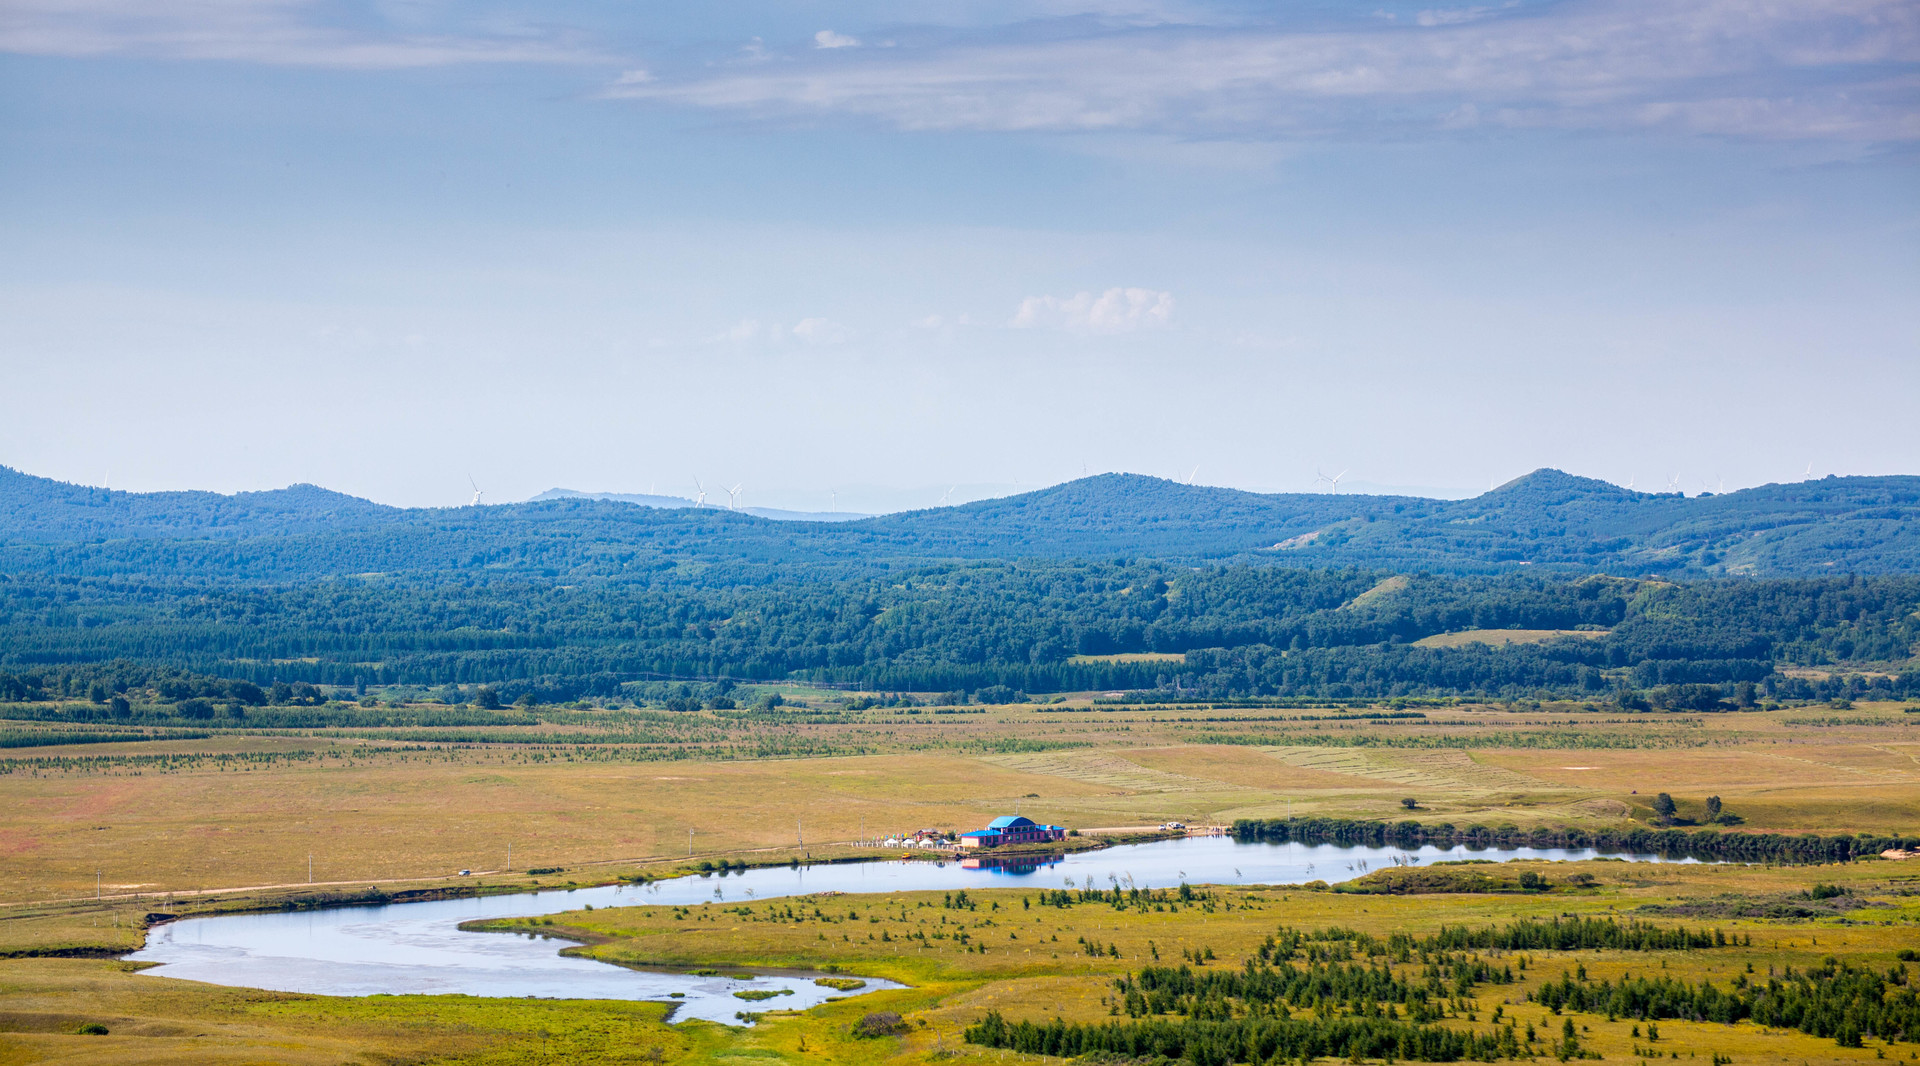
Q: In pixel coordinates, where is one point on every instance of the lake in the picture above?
(419, 949)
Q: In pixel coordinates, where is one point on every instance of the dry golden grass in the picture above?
(369, 811)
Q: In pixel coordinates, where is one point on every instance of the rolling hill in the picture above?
(1547, 520)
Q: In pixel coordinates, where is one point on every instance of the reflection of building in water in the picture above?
(1012, 829)
(1009, 864)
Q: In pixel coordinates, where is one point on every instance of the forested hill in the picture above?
(40, 510)
(1546, 520)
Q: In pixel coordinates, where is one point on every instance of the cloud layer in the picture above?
(1845, 70)
(1825, 69)
(276, 32)
(1113, 311)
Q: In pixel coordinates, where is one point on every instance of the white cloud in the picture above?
(740, 332)
(941, 322)
(820, 331)
(830, 39)
(1116, 310)
(1451, 16)
(278, 32)
(1751, 68)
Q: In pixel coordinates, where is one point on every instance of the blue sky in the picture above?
(885, 249)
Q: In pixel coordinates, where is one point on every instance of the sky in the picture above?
(883, 254)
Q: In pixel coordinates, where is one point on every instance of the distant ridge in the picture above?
(43, 510)
(1547, 519)
(670, 502)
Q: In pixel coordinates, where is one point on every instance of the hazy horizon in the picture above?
(872, 500)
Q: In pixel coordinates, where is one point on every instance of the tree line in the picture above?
(1228, 632)
(1633, 839)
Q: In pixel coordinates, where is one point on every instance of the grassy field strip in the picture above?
(1131, 657)
(1380, 591)
(1911, 755)
(1442, 770)
(1500, 637)
(1104, 768)
(1870, 775)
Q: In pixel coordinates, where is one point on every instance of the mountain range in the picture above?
(1548, 520)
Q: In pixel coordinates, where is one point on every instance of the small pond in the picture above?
(419, 949)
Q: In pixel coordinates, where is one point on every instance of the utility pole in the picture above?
(96, 886)
(309, 867)
(509, 856)
(798, 838)
(689, 843)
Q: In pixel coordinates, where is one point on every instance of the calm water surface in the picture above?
(418, 948)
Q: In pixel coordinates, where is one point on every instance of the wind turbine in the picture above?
(733, 497)
(947, 495)
(1808, 476)
(700, 493)
(1194, 474)
(1673, 484)
(833, 501)
(476, 491)
(1630, 478)
(1333, 481)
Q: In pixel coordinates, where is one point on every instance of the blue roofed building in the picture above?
(1012, 829)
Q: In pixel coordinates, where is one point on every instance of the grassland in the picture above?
(241, 808)
(192, 825)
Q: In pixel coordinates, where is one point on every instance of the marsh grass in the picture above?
(1035, 966)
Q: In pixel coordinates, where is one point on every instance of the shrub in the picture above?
(880, 1023)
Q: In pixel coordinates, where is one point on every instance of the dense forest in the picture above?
(990, 629)
(1113, 583)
